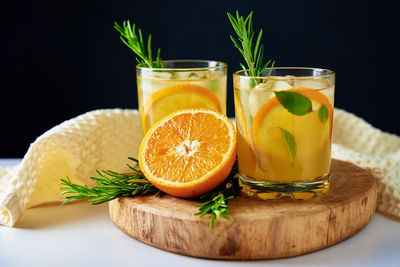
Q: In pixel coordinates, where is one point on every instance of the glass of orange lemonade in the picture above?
(284, 129)
(180, 84)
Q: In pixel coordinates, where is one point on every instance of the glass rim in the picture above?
(329, 73)
(221, 64)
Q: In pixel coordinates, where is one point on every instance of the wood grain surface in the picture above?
(257, 229)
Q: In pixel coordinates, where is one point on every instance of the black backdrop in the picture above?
(61, 59)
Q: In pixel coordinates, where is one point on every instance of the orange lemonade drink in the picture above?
(284, 131)
(180, 84)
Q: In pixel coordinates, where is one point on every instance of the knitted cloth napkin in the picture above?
(104, 139)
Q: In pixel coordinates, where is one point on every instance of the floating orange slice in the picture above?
(177, 97)
(244, 147)
(312, 137)
(189, 152)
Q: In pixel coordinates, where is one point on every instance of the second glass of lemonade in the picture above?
(284, 129)
(180, 84)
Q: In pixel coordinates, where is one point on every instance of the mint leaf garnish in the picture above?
(295, 103)
(323, 114)
(290, 143)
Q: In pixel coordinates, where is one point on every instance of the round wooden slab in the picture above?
(257, 229)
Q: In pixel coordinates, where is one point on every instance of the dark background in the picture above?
(61, 58)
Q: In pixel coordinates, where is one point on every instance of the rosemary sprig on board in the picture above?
(137, 44)
(252, 54)
(109, 186)
(216, 201)
(112, 185)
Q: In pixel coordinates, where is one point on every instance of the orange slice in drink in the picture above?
(311, 136)
(245, 150)
(189, 152)
(177, 97)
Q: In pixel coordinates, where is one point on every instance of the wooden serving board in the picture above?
(257, 229)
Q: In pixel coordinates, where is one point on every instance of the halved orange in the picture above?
(312, 139)
(177, 97)
(189, 152)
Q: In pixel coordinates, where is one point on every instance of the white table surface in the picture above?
(79, 234)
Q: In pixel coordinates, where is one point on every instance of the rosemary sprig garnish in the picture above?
(253, 55)
(137, 44)
(112, 185)
(216, 201)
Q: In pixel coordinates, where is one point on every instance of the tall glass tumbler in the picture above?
(180, 84)
(284, 129)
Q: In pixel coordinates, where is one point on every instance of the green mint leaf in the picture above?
(295, 103)
(290, 143)
(323, 114)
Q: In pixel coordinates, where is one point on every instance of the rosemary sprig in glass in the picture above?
(252, 54)
(112, 185)
(137, 44)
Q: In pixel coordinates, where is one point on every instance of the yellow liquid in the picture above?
(160, 96)
(263, 152)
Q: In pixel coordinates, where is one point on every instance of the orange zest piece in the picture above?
(189, 152)
(177, 97)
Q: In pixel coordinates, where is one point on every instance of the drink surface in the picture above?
(161, 93)
(276, 145)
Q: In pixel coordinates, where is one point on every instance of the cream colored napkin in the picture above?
(356, 141)
(103, 139)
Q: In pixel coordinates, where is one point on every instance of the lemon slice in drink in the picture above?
(310, 139)
(177, 97)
